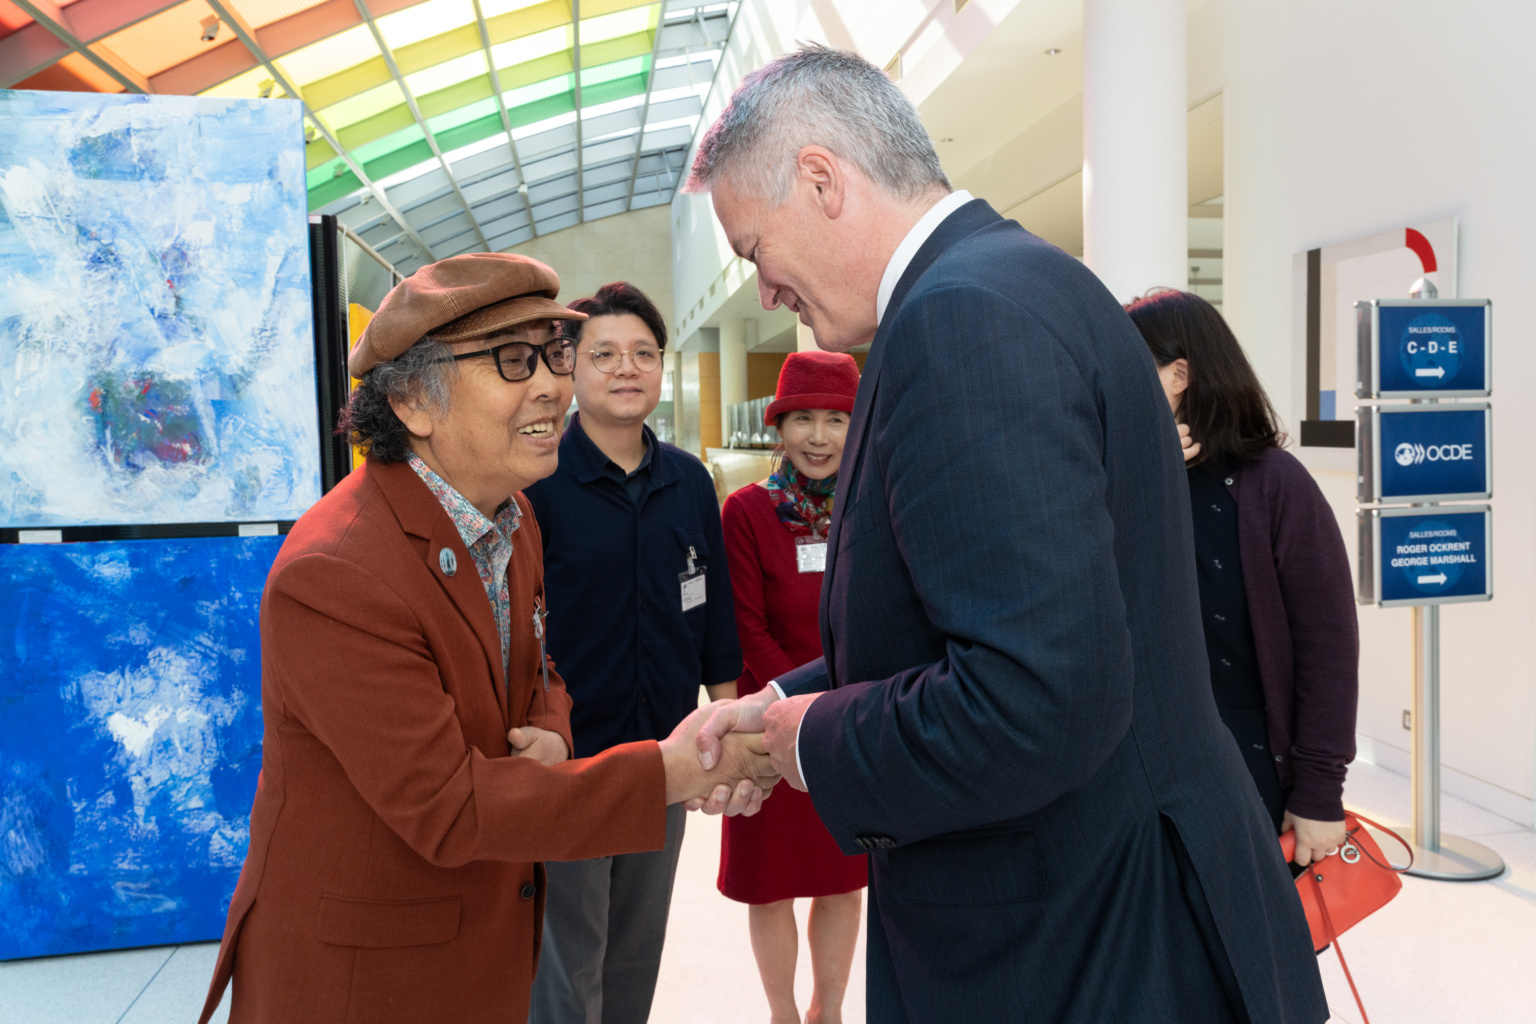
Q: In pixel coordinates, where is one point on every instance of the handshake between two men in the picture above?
(724, 758)
(763, 728)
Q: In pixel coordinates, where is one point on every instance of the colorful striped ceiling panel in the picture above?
(431, 126)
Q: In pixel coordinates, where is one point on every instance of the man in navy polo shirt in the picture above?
(639, 617)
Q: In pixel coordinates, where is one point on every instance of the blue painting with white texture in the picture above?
(130, 739)
(156, 341)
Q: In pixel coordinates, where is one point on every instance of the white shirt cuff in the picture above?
(799, 766)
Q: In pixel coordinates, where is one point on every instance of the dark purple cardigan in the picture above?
(1302, 605)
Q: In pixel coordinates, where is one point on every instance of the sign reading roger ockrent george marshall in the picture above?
(1430, 555)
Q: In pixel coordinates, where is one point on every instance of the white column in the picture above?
(733, 372)
(1135, 145)
(805, 341)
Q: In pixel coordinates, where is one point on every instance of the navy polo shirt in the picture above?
(632, 659)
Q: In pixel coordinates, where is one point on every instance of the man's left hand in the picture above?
(544, 746)
(781, 733)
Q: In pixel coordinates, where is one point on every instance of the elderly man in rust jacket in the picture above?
(415, 767)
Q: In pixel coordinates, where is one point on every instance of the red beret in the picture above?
(814, 380)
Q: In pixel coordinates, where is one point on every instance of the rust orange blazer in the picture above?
(393, 872)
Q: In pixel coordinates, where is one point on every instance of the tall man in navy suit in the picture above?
(1013, 716)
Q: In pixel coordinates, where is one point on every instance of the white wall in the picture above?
(1347, 117)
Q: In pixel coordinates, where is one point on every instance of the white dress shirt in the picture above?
(937, 214)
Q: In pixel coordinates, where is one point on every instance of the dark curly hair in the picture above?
(368, 421)
(618, 299)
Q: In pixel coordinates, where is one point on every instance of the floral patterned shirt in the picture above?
(489, 544)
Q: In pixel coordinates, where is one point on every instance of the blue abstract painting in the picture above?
(130, 738)
(156, 342)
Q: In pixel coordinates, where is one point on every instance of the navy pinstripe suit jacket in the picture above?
(1018, 721)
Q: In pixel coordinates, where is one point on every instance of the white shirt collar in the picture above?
(902, 258)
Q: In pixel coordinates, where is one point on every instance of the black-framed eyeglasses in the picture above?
(517, 360)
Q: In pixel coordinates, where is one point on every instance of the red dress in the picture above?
(783, 851)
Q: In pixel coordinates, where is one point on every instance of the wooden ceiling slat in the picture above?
(343, 85)
(97, 19)
(375, 127)
(206, 70)
(299, 30)
(27, 52)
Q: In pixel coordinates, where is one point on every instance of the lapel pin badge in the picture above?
(447, 562)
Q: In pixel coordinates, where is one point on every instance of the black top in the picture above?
(1223, 602)
(637, 484)
(615, 544)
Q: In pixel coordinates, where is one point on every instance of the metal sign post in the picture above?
(1427, 554)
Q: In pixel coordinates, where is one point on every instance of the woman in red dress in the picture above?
(776, 541)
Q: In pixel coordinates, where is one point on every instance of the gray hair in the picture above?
(824, 97)
(421, 372)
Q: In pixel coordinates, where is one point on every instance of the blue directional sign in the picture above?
(1431, 555)
(1427, 453)
(1424, 348)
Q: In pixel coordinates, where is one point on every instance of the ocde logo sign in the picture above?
(1417, 454)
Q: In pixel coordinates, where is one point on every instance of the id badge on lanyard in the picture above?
(692, 583)
(811, 553)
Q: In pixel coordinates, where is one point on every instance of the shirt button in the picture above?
(527, 891)
(1279, 757)
(1229, 481)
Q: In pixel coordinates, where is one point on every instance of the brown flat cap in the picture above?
(458, 298)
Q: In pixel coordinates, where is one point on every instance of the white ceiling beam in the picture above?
(501, 108)
(410, 101)
(581, 207)
(247, 36)
(645, 108)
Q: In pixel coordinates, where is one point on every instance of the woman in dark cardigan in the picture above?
(1276, 597)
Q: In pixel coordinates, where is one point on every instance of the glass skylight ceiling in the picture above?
(432, 128)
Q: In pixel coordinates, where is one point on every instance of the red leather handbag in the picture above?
(1340, 891)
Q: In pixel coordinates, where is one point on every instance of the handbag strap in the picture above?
(1382, 828)
(1338, 950)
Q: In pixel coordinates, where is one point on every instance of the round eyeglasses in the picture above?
(609, 360)
(517, 360)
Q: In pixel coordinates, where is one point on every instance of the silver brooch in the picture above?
(447, 562)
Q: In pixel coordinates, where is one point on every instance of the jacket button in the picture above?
(1279, 757)
(528, 890)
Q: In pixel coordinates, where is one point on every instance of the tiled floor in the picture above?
(1440, 952)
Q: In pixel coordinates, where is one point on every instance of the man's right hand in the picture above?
(744, 715)
(738, 784)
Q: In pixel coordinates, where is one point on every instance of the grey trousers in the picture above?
(604, 923)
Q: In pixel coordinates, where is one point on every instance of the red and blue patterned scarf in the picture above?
(804, 505)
